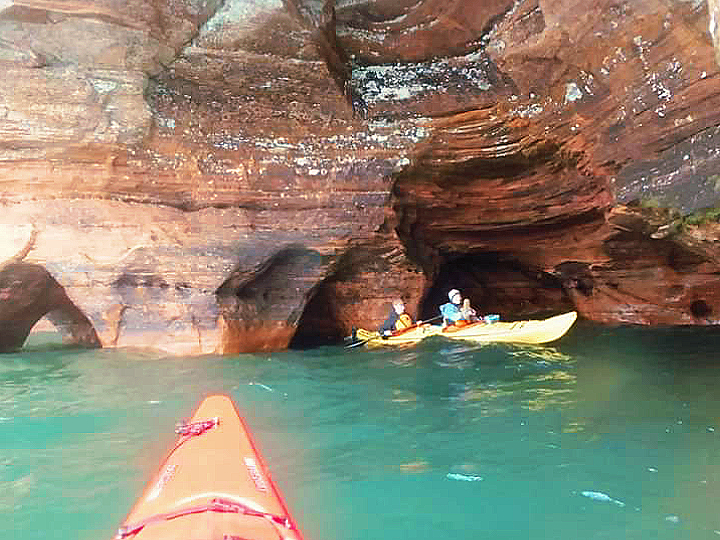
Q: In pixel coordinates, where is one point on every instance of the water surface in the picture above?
(611, 433)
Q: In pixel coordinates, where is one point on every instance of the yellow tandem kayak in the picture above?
(526, 332)
(530, 332)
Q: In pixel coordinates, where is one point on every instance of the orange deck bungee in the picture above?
(213, 485)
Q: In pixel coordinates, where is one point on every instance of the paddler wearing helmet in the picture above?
(452, 312)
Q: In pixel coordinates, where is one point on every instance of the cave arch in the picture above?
(320, 323)
(358, 291)
(260, 307)
(28, 292)
(496, 282)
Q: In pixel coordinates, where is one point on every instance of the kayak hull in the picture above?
(524, 332)
(532, 332)
(410, 336)
(212, 485)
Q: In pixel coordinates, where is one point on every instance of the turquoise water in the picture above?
(612, 433)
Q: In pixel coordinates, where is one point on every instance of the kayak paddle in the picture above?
(395, 333)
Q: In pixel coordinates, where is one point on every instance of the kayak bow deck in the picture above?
(213, 485)
(526, 332)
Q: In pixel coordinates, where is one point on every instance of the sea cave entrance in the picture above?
(29, 293)
(496, 282)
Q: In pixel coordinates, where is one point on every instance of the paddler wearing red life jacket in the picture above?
(397, 320)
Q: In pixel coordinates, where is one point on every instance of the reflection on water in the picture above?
(611, 433)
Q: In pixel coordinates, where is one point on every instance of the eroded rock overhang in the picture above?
(178, 159)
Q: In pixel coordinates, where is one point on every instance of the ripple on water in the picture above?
(442, 440)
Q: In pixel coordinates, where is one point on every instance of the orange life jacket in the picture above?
(404, 321)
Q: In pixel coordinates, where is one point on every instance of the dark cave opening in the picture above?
(700, 309)
(496, 283)
(30, 293)
(318, 325)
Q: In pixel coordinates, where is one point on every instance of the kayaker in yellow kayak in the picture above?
(397, 320)
(451, 311)
(458, 313)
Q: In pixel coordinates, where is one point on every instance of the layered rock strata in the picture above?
(250, 175)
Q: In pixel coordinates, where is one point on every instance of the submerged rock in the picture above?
(602, 497)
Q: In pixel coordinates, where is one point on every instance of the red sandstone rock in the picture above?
(171, 155)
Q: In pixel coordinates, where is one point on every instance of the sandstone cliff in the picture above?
(252, 174)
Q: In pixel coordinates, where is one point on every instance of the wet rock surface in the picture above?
(252, 175)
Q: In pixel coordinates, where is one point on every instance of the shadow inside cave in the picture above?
(496, 283)
(28, 292)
